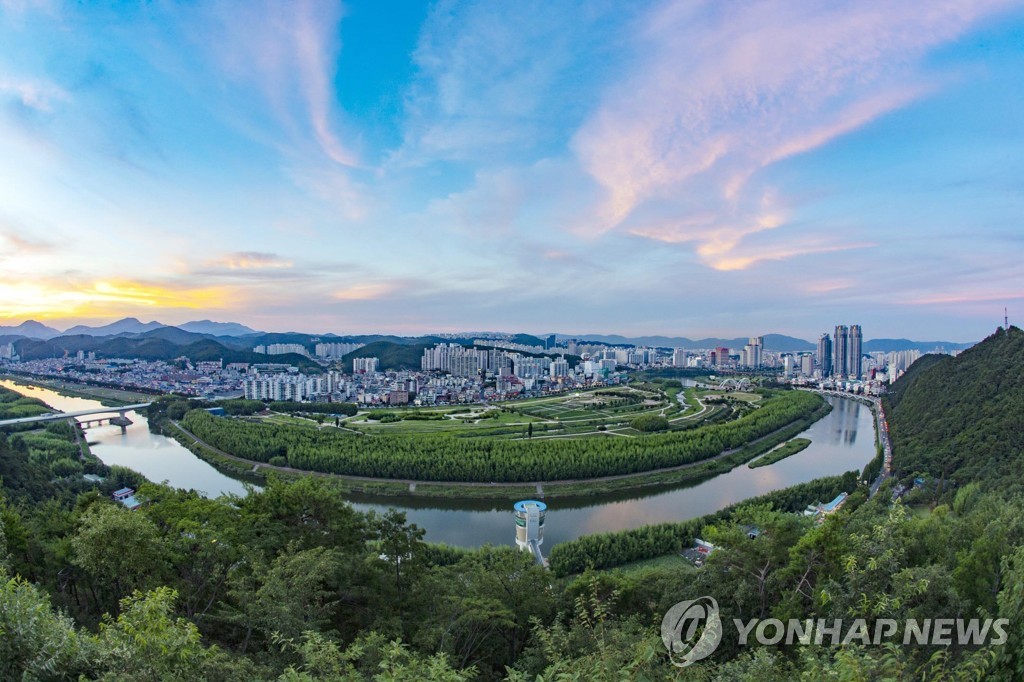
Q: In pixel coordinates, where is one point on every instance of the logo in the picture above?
(691, 630)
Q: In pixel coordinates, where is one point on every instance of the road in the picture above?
(56, 416)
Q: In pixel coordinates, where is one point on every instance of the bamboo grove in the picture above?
(445, 458)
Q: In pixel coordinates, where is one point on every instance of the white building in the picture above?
(367, 365)
(336, 350)
(281, 349)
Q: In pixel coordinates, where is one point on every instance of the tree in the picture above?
(483, 606)
(399, 555)
(120, 551)
(35, 641)
(147, 643)
(297, 593)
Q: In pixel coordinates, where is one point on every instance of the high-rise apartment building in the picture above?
(752, 351)
(806, 364)
(854, 360)
(824, 357)
(841, 351)
(367, 365)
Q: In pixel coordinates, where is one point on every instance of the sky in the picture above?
(677, 168)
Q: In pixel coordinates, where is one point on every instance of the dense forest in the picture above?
(291, 583)
(444, 458)
(962, 418)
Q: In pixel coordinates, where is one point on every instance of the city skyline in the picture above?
(682, 169)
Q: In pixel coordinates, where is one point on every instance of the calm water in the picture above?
(842, 441)
(158, 458)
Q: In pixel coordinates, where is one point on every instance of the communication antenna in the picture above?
(1006, 320)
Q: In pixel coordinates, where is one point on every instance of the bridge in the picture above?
(119, 420)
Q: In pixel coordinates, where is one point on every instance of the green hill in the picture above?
(962, 417)
(392, 355)
(146, 347)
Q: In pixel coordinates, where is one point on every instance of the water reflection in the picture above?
(835, 448)
(156, 457)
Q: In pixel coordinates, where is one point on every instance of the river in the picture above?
(841, 441)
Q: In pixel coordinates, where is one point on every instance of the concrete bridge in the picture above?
(115, 415)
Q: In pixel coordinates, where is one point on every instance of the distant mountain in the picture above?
(776, 342)
(891, 345)
(217, 328)
(151, 346)
(128, 325)
(30, 329)
(175, 335)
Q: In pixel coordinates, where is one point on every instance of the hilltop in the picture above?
(962, 417)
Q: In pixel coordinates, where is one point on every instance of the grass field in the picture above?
(605, 412)
(673, 561)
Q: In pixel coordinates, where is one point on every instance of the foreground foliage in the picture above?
(291, 583)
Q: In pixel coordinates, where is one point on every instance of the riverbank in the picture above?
(108, 397)
(782, 452)
(686, 474)
(468, 518)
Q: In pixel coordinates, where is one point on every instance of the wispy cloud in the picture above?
(40, 95)
(498, 81)
(251, 260)
(16, 245)
(719, 92)
(288, 54)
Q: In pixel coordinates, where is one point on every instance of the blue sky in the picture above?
(681, 168)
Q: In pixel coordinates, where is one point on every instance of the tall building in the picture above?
(854, 357)
(807, 364)
(336, 350)
(752, 351)
(841, 351)
(721, 356)
(281, 349)
(824, 357)
(549, 342)
(559, 368)
(367, 365)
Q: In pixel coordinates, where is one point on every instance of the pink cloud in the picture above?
(720, 92)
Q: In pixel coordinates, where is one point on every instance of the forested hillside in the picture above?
(962, 418)
(392, 355)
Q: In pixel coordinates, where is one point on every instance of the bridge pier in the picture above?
(122, 421)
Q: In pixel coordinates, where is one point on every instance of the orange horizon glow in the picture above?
(102, 299)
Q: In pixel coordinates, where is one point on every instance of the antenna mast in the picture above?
(1006, 320)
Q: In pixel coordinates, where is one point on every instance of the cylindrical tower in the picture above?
(529, 516)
